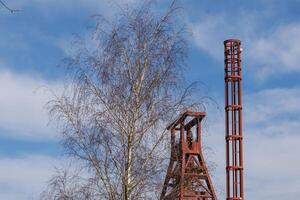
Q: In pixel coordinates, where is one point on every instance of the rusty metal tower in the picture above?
(187, 176)
(233, 120)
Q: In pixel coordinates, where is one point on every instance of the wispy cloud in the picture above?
(211, 30)
(25, 178)
(278, 51)
(269, 50)
(22, 105)
(272, 137)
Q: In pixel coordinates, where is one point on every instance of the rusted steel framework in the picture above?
(233, 120)
(187, 176)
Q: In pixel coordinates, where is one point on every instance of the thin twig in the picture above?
(8, 8)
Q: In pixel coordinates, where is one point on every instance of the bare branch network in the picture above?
(126, 86)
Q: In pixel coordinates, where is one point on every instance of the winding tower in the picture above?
(187, 175)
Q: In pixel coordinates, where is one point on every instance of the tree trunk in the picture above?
(128, 178)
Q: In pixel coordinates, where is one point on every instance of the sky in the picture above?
(34, 41)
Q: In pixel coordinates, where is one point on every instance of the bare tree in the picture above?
(126, 86)
(67, 185)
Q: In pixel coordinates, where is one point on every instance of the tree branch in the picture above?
(8, 8)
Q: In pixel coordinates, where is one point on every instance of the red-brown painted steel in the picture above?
(233, 120)
(187, 175)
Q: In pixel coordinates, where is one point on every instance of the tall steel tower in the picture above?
(187, 176)
(233, 120)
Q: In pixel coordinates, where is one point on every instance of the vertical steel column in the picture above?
(182, 161)
(233, 120)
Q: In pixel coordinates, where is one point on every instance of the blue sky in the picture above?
(34, 41)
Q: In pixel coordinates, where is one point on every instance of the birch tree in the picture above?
(126, 85)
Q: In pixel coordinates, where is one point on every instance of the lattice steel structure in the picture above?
(233, 120)
(187, 176)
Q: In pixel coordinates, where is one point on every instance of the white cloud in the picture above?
(211, 30)
(272, 140)
(271, 102)
(22, 104)
(207, 35)
(25, 178)
(268, 50)
(272, 166)
(278, 51)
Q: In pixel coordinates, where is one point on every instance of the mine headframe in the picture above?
(187, 175)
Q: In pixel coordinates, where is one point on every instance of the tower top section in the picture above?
(183, 116)
(232, 40)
